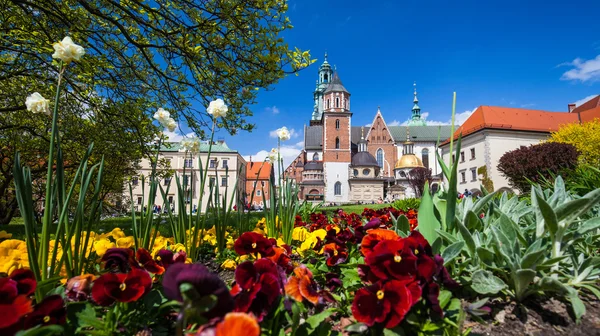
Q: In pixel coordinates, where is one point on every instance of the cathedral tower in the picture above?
(415, 119)
(336, 140)
(325, 77)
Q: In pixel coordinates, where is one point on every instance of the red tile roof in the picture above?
(254, 168)
(517, 119)
(588, 105)
(591, 114)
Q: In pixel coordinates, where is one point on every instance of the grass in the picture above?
(17, 228)
(355, 208)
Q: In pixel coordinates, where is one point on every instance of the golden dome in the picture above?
(409, 161)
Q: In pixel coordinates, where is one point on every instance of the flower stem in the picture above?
(43, 256)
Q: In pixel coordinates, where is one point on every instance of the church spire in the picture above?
(415, 119)
(362, 143)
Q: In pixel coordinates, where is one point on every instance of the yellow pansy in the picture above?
(229, 264)
(125, 242)
(177, 247)
(13, 255)
(5, 235)
(230, 242)
(102, 245)
(117, 233)
(300, 234)
(280, 242)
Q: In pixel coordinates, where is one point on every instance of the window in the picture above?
(325, 78)
(355, 172)
(258, 193)
(337, 123)
(213, 163)
(262, 183)
(380, 157)
(378, 138)
(337, 143)
(425, 157)
(462, 156)
(473, 174)
(366, 172)
(139, 200)
(135, 180)
(346, 103)
(337, 188)
(337, 102)
(167, 181)
(328, 103)
(225, 162)
(188, 163)
(463, 177)
(383, 137)
(472, 153)
(453, 158)
(170, 199)
(316, 157)
(212, 181)
(402, 174)
(223, 181)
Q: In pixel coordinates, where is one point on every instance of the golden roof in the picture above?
(409, 161)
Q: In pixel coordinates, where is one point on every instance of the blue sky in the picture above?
(532, 54)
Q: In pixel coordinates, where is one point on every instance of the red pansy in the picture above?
(119, 259)
(145, 259)
(253, 243)
(121, 287)
(374, 237)
(257, 286)
(335, 254)
(25, 279)
(51, 310)
(392, 259)
(386, 303)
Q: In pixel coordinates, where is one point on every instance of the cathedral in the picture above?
(342, 163)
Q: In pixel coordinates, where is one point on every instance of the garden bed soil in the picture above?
(547, 317)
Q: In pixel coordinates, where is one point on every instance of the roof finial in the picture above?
(378, 108)
(415, 100)
(362, 132)
(407, 134)
(325, 56)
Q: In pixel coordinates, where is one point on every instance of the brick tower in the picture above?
(336, 140)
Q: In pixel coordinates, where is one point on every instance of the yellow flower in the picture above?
(126, 242)
(5, 235)
(280, 242)
(242, 258)
(117, 233)
(230, 242)
(13, 255)
(260, 231)
(311, 240)
(102, 245)
(229, 264)
(300, 234)
(178, 247)
(212, 240)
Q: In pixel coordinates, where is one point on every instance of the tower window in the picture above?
(316, 157)
(337, 102)
(328, 103)
(337, 143)
(337, 188)
(425, 157)
(346, 103)
(326, 78)
(337, 123)
(380, 157)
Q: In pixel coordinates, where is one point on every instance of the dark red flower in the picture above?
(392, 259)
(282, 259)
(418, 243)
(121, 287)
(51, 310)
(204, 282)
(25, 279)
(374, 237)
(335, 254)
(257, 286)
(386, 303)
(78, 288)
(13, 304)
(365, 274)
(442, 273)
(253, 243)
(119, 260)
(332, 281)
(145, 259)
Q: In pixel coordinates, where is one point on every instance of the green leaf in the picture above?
(548, 214)
(447, 236)
(403, 225)
(42, 331)
(577, 304)
(522, 278)
(484, 282)
(444, 298)
(452, 251)
(315, 320)
(467, 237)
(531, 260)
(550, 284)
(428, 223)
(360, 328)
(589, 225)
(569, 213)
(350, 277)
(485, 255)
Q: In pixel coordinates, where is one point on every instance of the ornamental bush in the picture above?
(585, 137)
(536, 163)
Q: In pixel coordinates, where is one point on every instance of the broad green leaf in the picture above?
(484, 282)
(522, 278)
(314, 320)
(472, 221)
(447, 236)
(451, 198)
(403, 225)
(452, 251)
(467, 237)
(549, 216)
(444, 298)
(428, 223)
(485, 255)
(42, 331)
(530, 260)
(589, 225)
(577, 304)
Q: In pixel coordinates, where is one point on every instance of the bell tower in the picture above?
(325, 77)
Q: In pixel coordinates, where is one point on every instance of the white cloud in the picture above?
(584, 100)
(293, 134)
(393, 123)
(272, 109)
(459, 118)
(583, 70)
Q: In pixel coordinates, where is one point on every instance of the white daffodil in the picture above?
(283, 134)
(37, 104)
(217, 108)
(162, 115)
(171, 124)
(67, 51)
(191, 145)
(273, 155)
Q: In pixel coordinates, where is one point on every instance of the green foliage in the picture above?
(585, 137)
(486, 181)
(407, 204)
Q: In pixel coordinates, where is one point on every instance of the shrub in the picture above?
(417, 178)
(537, 163)
(407, 204)
(585, 137)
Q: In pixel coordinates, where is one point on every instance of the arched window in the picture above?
(328, 103)
(316, 157)
(337, 101)
(425, 157)
(337, 143)
(326, 78)
(337, 123)
(337, 188)
(380, 157)
(346, 103)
